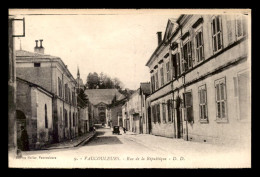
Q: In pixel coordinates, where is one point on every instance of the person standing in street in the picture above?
(24, 139)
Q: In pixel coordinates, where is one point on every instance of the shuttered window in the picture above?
(156, 81)
(221, 108)
(199, 46)
(203, 103)
(164, 112)
(240, 26)
(152, 84)
(169, 109)
(66, 118)
(188, 106)
(60, 87)
(187, 56)
(154, 113)
(158, 113)
(168, 71)
(216, 27)
(162, 76)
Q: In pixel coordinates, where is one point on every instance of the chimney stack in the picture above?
(36, 43)
(41, 42)
(159, 35)
(38, 49)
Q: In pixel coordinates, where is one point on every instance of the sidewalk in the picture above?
(71, 143)
(189, 148)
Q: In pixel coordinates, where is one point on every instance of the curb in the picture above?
(64, 147)
(86, 140)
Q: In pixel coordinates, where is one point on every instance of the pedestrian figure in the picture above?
(24, 139)
(124, 129)
(94, 129)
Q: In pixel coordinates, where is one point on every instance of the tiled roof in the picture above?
(24, 53)
(103, 95)
(145, 87)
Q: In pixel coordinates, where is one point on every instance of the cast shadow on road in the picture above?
(104, 140)
(99, 133)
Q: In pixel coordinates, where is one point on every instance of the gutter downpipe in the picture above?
(63, 107)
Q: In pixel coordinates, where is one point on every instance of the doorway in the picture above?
(178, 117)
(55, 129)
(22, 135)
(141, 124)
(149, 120)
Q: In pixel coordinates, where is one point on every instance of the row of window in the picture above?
(72, 122)
(69, 96)
(184, 60)
(156, 112)
(221, 104)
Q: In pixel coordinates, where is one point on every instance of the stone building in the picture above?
(144, 93)
(34, 113)
(83, 121)
(134, 110)
(207, 97)
(159, 103)
(52, 74)
(115, 110)
(101, 99)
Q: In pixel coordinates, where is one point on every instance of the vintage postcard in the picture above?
(128, 88)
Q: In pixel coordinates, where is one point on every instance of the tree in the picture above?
(118, 84)
(83, 98)
(103, 81)
(93, 80)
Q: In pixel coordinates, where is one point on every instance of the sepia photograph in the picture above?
(129, 88)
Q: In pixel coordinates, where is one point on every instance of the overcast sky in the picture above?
(118, 44)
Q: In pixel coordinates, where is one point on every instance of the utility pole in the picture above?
(12, 144)
(12, 132)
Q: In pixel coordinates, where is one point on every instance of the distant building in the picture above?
(116, 112)
(144, 93)
(134, 112)
(52, 74)
(101, 99)
(125, 116)
(34, 113)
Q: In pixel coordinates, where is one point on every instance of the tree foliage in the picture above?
(82, 102)
(103, 81)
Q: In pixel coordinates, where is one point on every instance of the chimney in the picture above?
(39, 49)
(159, 35)
(36, 43)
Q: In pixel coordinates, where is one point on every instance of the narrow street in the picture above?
(107, 150)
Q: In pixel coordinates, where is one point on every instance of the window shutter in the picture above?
(190, 51)
(221, 31)
(217, 92)
(202, 43)
(200, 115)
(212, 35)
(206, 103)
(182, 60)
